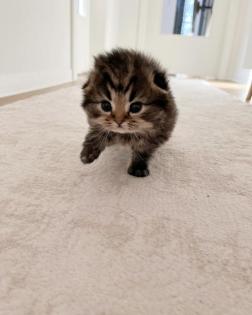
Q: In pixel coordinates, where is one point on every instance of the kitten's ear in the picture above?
(86, 84)
(160, 80)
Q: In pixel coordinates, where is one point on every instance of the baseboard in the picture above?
(11, 84)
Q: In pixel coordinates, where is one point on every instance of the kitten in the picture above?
(127, 100)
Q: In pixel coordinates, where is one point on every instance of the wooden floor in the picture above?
(238, 90)
(22, 96)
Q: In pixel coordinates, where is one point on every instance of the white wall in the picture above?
(248, 57)
(114, 23)
(81, 37)
(221, 55)
(237, 31)
(35, 44)
(137, 24)
(98, 26)
(197, 56)
(168, 16)
(127, 16)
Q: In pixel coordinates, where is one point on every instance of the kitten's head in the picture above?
(126, 92)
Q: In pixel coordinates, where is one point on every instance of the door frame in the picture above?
(73, 18)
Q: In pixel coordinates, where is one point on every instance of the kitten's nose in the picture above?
(119, 121)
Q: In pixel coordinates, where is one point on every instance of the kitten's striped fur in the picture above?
(128, 100)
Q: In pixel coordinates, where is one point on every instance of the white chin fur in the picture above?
(121, 130)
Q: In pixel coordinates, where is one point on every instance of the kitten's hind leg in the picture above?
(93, 145)
(139, 164)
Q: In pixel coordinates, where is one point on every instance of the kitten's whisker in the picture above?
(104, 141)
(107, 136)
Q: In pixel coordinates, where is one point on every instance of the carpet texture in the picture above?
(92, 240)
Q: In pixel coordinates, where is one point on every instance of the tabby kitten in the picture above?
(127, 100)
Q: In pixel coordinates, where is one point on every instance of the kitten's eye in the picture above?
(135, 107)
(106, 106)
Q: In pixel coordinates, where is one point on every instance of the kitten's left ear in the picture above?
(85, 85)
(160, 80)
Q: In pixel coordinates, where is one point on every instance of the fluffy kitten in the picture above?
(127, 100)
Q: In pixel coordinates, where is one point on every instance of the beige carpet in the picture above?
(91, 240)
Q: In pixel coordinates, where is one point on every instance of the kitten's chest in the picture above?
(127, 139)
(119, 139)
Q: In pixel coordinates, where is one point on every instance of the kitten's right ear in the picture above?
(160, 80)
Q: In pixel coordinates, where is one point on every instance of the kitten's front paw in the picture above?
(88, 155)
(138, 171)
